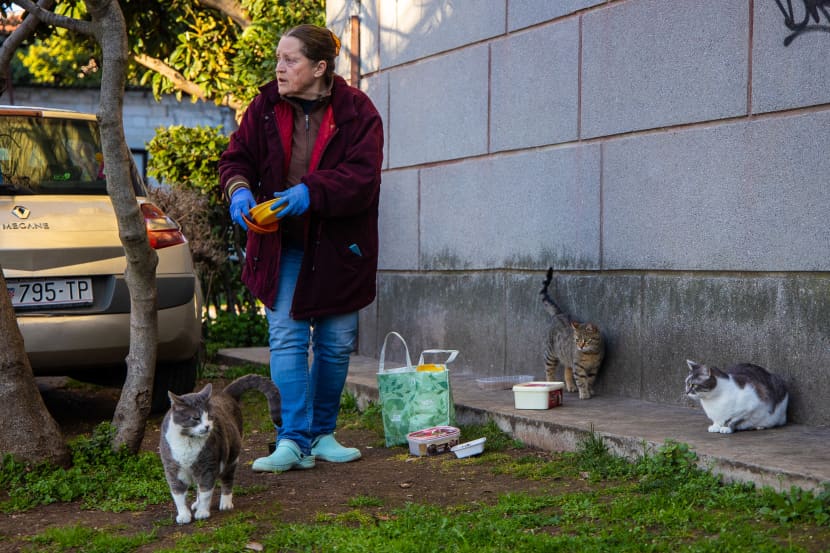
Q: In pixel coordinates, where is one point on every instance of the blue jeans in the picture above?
(310, 395)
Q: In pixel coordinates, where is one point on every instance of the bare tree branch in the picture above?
(51, 18)
(180, 82)
(21, 33)
(231, 8)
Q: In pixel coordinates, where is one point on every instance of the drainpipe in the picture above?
(354, 47)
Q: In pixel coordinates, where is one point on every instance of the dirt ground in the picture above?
(386, 474)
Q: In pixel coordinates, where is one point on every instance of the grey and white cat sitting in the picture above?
(742, 397)
(578, 347)
(201, 437)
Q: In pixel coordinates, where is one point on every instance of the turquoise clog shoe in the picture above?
(287, 456)
(326, 448)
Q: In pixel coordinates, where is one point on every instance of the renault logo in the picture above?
(21, 212)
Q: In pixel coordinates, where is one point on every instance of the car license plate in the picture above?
(50, 291)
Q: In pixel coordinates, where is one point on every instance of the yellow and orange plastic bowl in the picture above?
(263, 220)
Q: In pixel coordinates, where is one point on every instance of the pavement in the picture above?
(792, 455)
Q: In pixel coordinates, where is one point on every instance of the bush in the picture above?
(231, 330)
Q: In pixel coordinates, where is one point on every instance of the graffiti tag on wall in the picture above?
(817, 11)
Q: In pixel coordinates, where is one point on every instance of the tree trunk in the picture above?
(134, 404)
(109, 29)
(28, 431)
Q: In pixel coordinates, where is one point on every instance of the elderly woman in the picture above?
(315, 143)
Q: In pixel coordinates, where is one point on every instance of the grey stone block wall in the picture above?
(652, 63)
(663, 156)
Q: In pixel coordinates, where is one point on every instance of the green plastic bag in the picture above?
(412, 400)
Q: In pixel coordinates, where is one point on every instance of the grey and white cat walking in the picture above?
(201, 437)
(742, 397)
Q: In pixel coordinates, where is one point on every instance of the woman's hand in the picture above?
(295, 201)
(241, 203)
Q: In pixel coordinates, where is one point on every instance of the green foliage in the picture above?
(100, 478)
(231, 330)
(186, 162)
(798, 505)
(365, 501)
(593, 457)
(671, 459)
(204, 46)
(56, 61)
(351, 416)
(497, 440)
(254, 63)
(189, 157)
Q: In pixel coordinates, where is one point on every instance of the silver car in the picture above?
(64, 263)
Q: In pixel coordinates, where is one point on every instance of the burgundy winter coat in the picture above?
(341, 239)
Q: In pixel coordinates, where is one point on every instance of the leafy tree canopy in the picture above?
(216, 50)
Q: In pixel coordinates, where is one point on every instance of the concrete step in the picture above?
(792, 455)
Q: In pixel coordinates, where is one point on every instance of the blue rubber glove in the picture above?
(241, 203)
(295, 201)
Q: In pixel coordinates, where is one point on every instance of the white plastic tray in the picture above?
(502, 382)
(468, 449)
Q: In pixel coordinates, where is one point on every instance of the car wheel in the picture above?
(179, 378)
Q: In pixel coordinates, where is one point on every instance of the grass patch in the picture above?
(231, 536)
(87, 540)
(99, 478)
(588, 500)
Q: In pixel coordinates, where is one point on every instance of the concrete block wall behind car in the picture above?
(662, 156)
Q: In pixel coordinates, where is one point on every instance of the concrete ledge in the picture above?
(793, 455)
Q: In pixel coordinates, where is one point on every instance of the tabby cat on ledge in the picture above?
(742, 397)
(578, 347)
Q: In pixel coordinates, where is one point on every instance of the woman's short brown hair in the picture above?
(318, 44)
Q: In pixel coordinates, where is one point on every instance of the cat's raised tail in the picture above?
(547, 301)
(265, 385)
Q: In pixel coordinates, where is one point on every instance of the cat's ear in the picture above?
(206, 391)
(692, 365)
(575, 324)
(174, 399)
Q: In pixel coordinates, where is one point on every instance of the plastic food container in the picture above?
(433, 441)
(538, 395)
(263, 220)
(502, 382)
(468, 449)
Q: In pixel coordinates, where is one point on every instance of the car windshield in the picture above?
(50, 156)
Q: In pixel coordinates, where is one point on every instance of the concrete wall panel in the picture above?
(731, 197)
(654, 63)
(524, 13)
(534, 93)
(786, 76)
(377, 88)
(522, 211)
(446, 311)
(415, 29)
(438, 108)
(398, 221)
